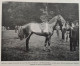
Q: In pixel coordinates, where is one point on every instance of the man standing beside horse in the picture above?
(74, 36)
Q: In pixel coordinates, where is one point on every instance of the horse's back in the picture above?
(39, 27)
(35, 27)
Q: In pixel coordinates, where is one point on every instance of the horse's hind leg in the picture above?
(27, 41)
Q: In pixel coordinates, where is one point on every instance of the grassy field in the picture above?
(15, 50)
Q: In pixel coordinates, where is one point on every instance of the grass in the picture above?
(15, 50)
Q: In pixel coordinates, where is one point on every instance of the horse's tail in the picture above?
(20, 33)
(26, 30)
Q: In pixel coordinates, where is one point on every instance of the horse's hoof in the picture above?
(27, 50)
(49, 50)
(44, 50)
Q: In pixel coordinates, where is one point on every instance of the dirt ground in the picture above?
(13, 49)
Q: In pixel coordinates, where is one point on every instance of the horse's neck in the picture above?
(52, 25)
(64, 25)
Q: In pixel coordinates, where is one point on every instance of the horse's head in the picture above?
(20, 33)
(57, 20)
(60, 21)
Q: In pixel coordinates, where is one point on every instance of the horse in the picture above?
(47, 31)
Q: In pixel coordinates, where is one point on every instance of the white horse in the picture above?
(41, 29)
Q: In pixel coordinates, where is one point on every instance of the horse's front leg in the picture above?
(45, 43)
(49, 42)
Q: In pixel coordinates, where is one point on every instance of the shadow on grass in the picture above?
(37, 54)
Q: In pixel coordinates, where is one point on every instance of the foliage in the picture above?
(20, 13)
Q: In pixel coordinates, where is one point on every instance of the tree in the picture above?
(20, 13)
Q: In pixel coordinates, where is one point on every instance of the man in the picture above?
(16, 29)
(63, 31)
(74, 37)
(67, 31)
(57, 29)
(77, 33)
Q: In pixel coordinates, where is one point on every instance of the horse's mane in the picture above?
(54, 19)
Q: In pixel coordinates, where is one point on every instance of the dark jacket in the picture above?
(74, 33)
